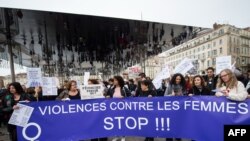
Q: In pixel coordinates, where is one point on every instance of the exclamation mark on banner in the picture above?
(168, 124)
(162, 124)
(157, 123)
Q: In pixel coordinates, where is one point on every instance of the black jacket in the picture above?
(211, 84)
(132, 87)
(125, 92)
(195, 91)
(147, 93)
(139, 91)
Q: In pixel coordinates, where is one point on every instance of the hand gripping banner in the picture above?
(201, 118)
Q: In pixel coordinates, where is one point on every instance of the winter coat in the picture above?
(238, 93)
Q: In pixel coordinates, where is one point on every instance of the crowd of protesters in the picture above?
(231, 84)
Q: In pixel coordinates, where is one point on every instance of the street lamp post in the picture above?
(8, 36)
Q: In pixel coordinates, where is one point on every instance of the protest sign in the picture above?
(165, 73)
(86, 78)
(21, 116)
(223, 62)
(134, 71)
(34, 77)
(49, 86)
(184, 66)
(91, 91)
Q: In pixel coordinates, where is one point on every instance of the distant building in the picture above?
(223, 40)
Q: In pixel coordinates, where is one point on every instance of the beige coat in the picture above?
(238, 93)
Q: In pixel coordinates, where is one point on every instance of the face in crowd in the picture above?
(178, 80)
(73, 86)
(225, 77)
(187, 79)
(144, 87)
(198, 81)
(210, 72)
(116, 82)
(12, 89)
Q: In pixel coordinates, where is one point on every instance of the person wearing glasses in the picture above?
(229, 86)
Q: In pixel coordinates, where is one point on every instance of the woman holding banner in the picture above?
(118, 91)
(10, 101)
(176, 86)
(229, 86)
(199, 87)
(147, 92)
(71, 92)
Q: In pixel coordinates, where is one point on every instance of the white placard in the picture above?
(165, 73)
(49, 86)
(34, 77)
(184, 66)
(21, 116)
(91, 91)
(86, 78)
(223, 62)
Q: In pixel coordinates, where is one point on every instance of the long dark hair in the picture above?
(183, 81)
(120, 80)
(17, 86)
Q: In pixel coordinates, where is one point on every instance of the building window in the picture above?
(238, 61)
(214, 44)
(220, 41)
(203, 47)
(221, 50)
(203, 55)
(198, 49)
(208, 54)
(194, 50)
(208, 63)
(221, 31)
(215, 52)
(238, 51)
(214, 61)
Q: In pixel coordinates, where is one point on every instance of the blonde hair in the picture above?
(232, 80)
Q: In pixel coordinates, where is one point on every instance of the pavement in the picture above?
(4, 136)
